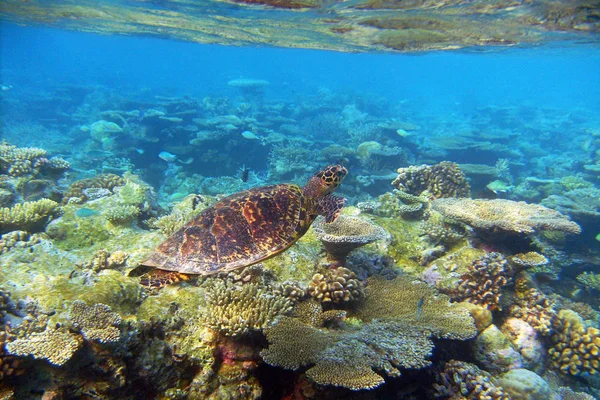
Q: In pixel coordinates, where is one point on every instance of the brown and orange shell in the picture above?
(238, 231)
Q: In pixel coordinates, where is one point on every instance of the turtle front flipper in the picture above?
(159, 278)
(330, 207)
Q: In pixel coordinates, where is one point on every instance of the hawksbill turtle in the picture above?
(245, 228)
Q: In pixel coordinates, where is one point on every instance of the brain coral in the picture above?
(441, 180)
(504, 215)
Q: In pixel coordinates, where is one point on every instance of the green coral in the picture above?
(96, 322)
(28, 216)
(589, 279)
(235, 310)
(122, 214)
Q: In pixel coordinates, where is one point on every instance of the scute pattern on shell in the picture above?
(238, 231)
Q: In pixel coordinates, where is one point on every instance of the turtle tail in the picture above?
(330, 207)
(159, 278)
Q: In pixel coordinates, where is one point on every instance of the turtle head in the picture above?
(325, 181)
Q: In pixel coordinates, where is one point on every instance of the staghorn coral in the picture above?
(482, 284)
(103, 181)
(28, 216)
(440, 180)
(337, 285)
(575, 346)
(417, 304)
(56, 345)
(531, 305)
(504, 215)
(346, 234)
(589, 279)
(462, 380)
(96, 323)
(236, 310)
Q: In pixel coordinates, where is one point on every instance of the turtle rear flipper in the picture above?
(159, 278)
(330, 207)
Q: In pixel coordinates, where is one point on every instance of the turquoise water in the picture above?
(175, 118)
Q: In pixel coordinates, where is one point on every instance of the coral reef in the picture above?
(482, 284)
(29, 216)
(441, 180)
(575, 345)
(462, 380)
(589, 279)
(77, 191)
(19, 161)
(17, 239)
(528, 260)
(346, 234)
(531, 305)
(337, 285)
(96, 323)
(504, 215)
(236, 310)
(56, 345)
(494, 352)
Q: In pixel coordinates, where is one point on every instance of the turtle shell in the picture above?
(238, 231)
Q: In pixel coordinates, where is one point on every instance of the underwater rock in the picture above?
(522, 384)
(526, 341)
(494, 352)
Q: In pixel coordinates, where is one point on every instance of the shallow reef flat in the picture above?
(421, 291)
(364, 25)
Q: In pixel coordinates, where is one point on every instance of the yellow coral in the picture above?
(440, 180)
(27, 216)
(576, 346)
(528, 260)
(235, 310)
(336, 285)
(54, 345)
(97, 322)
(532, 306)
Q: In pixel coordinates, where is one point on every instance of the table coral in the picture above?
(504, 215)
(528, 260)
(337, 285)
(235, 310)
(96, 322)
(57, 346)
(482, 283)
(28, 216)
(346, 234)
(575, 345)
(440, 180)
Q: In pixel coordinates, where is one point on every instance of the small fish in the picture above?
(168, 157)
(85, 212)
(244, 173)
(249, 135)
(420, 307)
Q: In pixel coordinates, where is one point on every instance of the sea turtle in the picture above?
(245, 228)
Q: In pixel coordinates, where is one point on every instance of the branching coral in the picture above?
(97, 322)
(532, 306)
(504, 215)
(337, 285)
(104, 181)
(28, 216)
(346, 234)
(462, 380)
(54, 345)
(16, 161)
(482, 284)
(235, 310)
(441, 180)
(589, 279)
(576, 346)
